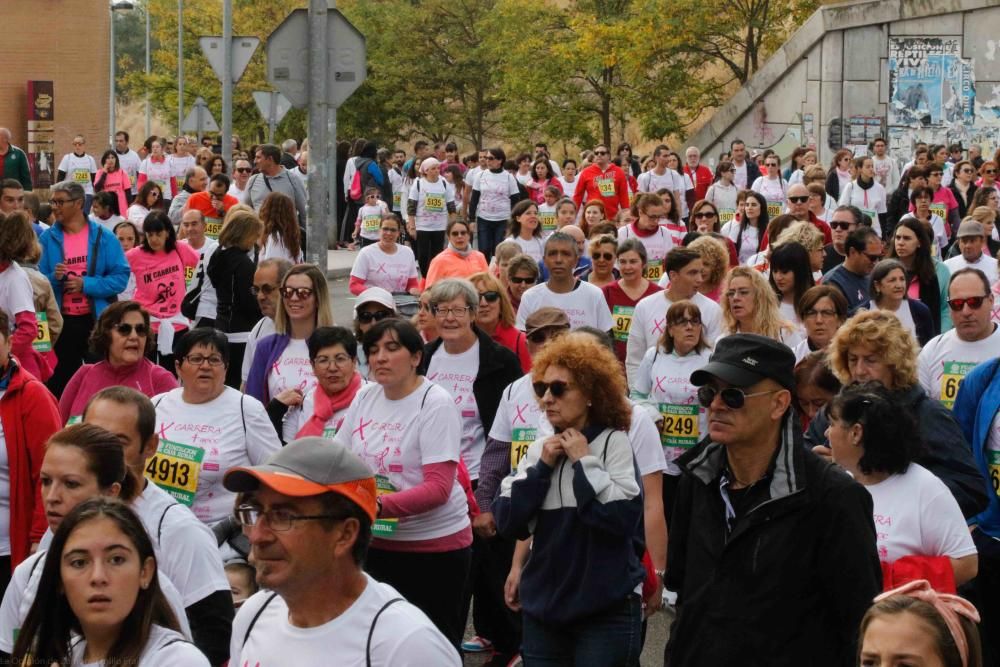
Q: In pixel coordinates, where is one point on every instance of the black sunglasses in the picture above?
(799, 200)
(837, 224)
(975, 303)
(125, 329)
(606, 256)
(702, 216)
(244, 170)
(558, 388)
(733, 397)
(491, 296)
(379, 315)
(521, 281)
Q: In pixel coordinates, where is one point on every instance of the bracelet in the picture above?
(659, 573)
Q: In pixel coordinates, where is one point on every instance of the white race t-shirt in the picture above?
(773, 189)
(650, 181)
(432, 204)
(495, 191)
(985, 263)
(533, 247)
(209, 301)
(649, 321)
(207, 439)
(129, 162)
(657, 246)
(159, 173)
(946, 359)
(585, 305)
(291, 371)
(870, 201)
(455, 373)
(380, 269)
(748, 247)
(724, 198)
(179, 166)
(916, 515)
(4, 492)
(517, 418)
(15, 292)
(664, 379)
(403, 635)
(569, 187)
(370, 220)
(396, 182)
(79, 169)
(164, 648)
(396, 439)
(275, 248)
(263, 329)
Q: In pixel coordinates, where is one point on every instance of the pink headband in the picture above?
(949, 606)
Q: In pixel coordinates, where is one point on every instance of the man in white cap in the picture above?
(971, 241)
(308, 514)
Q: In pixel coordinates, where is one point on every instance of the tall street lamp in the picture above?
(117, 5)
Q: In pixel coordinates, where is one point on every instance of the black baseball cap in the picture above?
(743, 360)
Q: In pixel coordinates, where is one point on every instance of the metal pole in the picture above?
(111, 100)
(227, 80)
(319, 209)
(201, 119)
(180, 65)
(272, 117)
(149, 116)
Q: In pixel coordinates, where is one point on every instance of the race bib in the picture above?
(940, 209)
(43, 339)
(396, 200)
(434, 203)
(75, 419)
(726, 215)
(621, 316)
(653, 270)
(384, 527)
(175, 468)
(164, 187)
(548, 221)
(871, 214)
(371, 223)
(993, 461)
(81, 176)
(213, 227)
(954, 373)
(680, 425)
(606, 186)
(523, 437)
(774, 209)
(188, 274)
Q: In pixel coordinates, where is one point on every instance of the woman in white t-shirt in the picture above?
(282, 235)
(149, 198)
(771, 184)
(866, 193)
(430, 206)
(99, 600)
(747, 233)
(876, 440)
(722, 193)
(525, 230)
(568, 178)
(494, 194)
(409, 432)
(156, 168)
(386, 264)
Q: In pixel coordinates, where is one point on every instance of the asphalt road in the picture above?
(656, 634)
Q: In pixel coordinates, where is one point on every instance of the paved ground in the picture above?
(338, 269)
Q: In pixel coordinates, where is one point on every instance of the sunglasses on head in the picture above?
(975, 303)
(557, 388)
(521, 281)
(733, 397)
(126, 329)
(377, 316)
(799, 200)
(491, 296)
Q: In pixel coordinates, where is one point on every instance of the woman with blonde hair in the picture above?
(874, 345)
(715, 264)
(282, 237)
(749, 305)
(495, 317)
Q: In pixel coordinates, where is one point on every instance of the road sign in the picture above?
(288, 58)
(243, 50)
(272, 106)
(199, 119)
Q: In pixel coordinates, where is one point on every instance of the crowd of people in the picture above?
(762, 396)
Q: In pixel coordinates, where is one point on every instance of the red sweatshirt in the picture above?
(610, 186)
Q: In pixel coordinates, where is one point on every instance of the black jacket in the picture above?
(791, 581)
(231, 271)
(498, 367)
(946, 453)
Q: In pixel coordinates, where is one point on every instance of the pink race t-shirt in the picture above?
(161, 279)
(75, 253)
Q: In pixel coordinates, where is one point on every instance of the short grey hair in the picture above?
(281, 263)
(192, 172)
(453, 288)
(289, 145)
(73, 190)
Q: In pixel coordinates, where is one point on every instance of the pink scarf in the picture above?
(325, 406)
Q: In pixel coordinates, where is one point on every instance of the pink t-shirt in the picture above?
(117, 183)
(161, 279)
(75, 247)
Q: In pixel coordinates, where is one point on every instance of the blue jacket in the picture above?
(107, 269)
(975, 407)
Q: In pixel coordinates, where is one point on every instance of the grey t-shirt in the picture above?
(260, 186)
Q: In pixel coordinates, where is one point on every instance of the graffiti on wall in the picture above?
(930, 84)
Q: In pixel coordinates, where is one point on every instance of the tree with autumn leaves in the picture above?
(571, 72)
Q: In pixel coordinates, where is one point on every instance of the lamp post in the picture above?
(180, 65)
(117, 5)
(149, 116)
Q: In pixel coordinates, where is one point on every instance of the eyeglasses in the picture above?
(799, 200)
(733, 397)
(244, 170)
(491, 296)
(336, 360)
(60, 202)
(521, 281)
(300, 293)
(539, 336)
(600, 152)
(278, 520)
(771, 164)
(606, 256)
(367, 316)
(450, 312)
(824, 313)
(742, 293)
(214, 360)
(974, 302)
(125, 329)
(702, 216)
(557, 388)
(266, 289)
(839, 224)
(686, 321)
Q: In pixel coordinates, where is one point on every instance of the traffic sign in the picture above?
(243, 50)
(199, 119)
(288, 58)
(272, 106)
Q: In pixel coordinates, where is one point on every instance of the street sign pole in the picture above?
(226, 141)
(319, 166)
(272, 112)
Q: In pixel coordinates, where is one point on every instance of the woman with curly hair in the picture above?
(749, 305)
(715, 264)
(874, 346)
(282, 236)
(577, 495)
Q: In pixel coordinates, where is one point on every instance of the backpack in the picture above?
(361, 180)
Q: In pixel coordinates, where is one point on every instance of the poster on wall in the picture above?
(41, 133)
(929, 82)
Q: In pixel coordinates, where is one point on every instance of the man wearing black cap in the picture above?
(772, 550)
(308, 514)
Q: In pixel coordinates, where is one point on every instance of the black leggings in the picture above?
(428, 245)
(71, 350)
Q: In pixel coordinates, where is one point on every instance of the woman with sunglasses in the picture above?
(122, 340)
(888, 289)
(962, 187)
(280, 372)
(374, 305)
(496, 317)
(459, 259)
(704, 218)
(839, 174)
(424, 322)
(525, 229)
(748, 233)
(623, 294)
(988, 176)
(874, 346)
(408, 430)
(866, 193)
(926, 278)
(822, 310)
(771, 185)
(150, 197)
(522, 275)
(578, 534)
(601, 271)
(877, 441)
(157, 169)
(386, 264)
(231, 271)
(749, 305)
(648, 210)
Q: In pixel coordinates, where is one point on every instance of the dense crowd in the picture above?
(763, 396)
